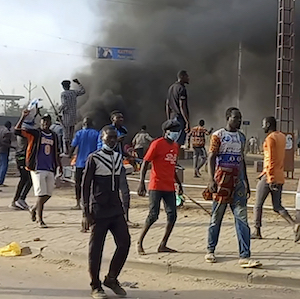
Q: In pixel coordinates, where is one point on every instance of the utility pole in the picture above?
(29, 89)
(239, 76)
(284, 103)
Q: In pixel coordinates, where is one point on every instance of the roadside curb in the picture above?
(250, 276)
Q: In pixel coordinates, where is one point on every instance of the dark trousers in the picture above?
(3, 166)
(169, 200)
(78, 180)
(25, 183)
(119, 229)
(199, 157)
(140, 153)
(262, 191)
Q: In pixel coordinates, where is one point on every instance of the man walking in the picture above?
(177, 106)
(5, 146)
(197, 135)
(117, 120)
(25, 182)
(272, 177)
(163, 153)
(141, 142)
(229, 185)
(68, 109)
(42, 159)
(85, 141)
(102, 209)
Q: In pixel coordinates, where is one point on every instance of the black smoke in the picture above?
(201, 36)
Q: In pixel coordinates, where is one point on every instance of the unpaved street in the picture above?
(27, 278)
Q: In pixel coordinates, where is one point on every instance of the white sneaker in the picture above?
(248, 263)
(210, 258)
(22, 204)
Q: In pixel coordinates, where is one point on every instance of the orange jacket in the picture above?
(274, 152)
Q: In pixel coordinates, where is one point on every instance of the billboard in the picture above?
(116, 53)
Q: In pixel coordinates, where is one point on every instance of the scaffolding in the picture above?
(284, 105)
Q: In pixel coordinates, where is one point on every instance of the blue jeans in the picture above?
(3, 166)
(239, 210)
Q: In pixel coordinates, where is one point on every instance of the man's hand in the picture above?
(142, 189)
(212, 186)
(60, 170)
(248, 192)
(187, 128)
(274, 187)
(76, 81)
(87, 221)
(180, 189)
(25, 113)
(121, 138)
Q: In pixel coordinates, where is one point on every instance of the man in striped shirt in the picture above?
(68, 109)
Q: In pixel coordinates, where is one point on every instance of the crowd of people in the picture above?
(101, 188)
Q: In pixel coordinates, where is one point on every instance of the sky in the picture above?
(48, 27)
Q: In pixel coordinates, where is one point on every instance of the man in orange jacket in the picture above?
(272, 177)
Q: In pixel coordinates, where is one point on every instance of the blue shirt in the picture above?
(45, 155)
(86, 140)
(122, 131)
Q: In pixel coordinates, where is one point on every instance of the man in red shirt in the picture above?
(163, 153)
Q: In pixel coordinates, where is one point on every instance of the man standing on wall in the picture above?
(69, 109)
(177, 106)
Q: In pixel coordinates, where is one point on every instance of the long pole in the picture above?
(29, 89)
(239, 75)
(55, 111)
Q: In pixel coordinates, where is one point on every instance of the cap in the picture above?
(66, 82)
(46, 116)
(172, 125)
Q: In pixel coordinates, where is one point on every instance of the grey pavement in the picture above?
(277, 251)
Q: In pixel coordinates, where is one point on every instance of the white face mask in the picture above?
(107, 148)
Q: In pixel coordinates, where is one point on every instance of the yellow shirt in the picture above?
(274, 152)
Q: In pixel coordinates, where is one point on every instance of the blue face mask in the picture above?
(107, 147)
(173, 135)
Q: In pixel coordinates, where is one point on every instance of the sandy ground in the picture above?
(26, 278)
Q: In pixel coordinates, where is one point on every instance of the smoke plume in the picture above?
(200, 36)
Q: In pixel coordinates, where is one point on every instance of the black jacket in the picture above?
(100, 185)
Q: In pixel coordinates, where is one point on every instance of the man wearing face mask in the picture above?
(163, 153)
(117, 120)
(102, 209)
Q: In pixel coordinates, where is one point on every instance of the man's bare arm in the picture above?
(211, 161)
(184, 113)
(142, 187)
(167, 109)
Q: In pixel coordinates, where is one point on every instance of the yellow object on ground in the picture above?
(12, 249)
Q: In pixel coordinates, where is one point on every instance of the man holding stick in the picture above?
(68, 109)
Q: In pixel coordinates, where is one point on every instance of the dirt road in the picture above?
(27, 278)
